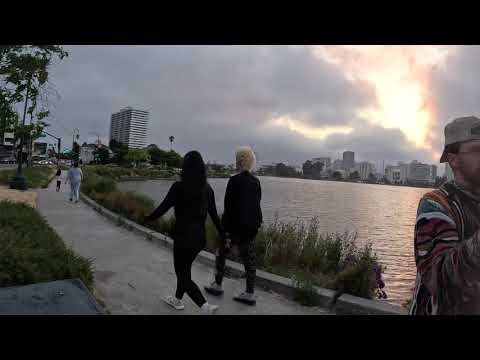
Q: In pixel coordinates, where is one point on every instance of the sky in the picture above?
(289, 103)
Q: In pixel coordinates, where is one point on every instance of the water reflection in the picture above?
(382, 215)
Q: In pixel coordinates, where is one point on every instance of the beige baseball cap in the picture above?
(460, 130)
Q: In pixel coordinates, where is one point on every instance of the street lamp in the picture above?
(19, 181)
(77, 131)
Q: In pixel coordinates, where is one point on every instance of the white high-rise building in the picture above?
(129, 126)
(365, 169)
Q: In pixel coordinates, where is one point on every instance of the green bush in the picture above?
(131, 205)
(31, 251)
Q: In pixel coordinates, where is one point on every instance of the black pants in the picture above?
(246, 245)
(183, 258)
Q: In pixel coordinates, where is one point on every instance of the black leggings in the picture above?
(246, 245)
(183, 258)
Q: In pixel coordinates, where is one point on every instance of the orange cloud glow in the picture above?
(398, 76)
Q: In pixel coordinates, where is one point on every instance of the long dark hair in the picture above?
(194, 178)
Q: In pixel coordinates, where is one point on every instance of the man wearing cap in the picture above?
(447, 240)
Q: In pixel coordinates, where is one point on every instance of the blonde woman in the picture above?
(241, 220)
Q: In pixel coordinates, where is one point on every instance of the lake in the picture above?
(380, 214)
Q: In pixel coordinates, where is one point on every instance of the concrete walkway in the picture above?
(132, 275)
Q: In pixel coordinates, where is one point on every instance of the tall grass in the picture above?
(37, 176)
(31, 251)
(117, 173)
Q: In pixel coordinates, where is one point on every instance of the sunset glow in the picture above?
(398, 77)
(307, 131)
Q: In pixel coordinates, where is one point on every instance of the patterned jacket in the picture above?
(447, 253)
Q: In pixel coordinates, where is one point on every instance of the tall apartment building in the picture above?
(348, 159)
(129, 126)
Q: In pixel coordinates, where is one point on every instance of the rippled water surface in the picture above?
(382, 215)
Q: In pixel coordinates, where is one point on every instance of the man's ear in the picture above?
(452, 160)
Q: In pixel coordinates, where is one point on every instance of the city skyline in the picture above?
(290, 103)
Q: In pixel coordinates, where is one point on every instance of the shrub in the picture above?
(31, 251)
(131, 205)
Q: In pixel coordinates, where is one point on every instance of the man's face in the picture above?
(467, 161)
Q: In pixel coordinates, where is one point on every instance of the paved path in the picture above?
(132, 274)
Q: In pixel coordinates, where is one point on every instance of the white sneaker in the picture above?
(246, 298)
(208, 309)
(174, 302)
(214, 289)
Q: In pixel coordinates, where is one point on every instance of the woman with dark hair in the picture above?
(192, 198)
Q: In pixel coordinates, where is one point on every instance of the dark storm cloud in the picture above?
(455, 90)
(214, 98)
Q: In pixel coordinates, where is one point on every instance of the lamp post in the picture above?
(77, 131)
(19, 182)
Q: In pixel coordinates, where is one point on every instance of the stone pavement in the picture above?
(132, 275)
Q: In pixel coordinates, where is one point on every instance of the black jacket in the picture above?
(243, 214)
(190, 214)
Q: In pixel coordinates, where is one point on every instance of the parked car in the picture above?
(10, 160)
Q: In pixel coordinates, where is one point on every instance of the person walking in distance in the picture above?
(241, 219)
(192, 198)
(447, 236)
(59, 182)
(74, 177)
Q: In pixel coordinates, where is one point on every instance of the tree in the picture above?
(172, 139)
(354, 175)
(337, 175)
(137, 155)
(119, 150)
(75, 151)
(24, 75)
(312, 169)
(161, 157)
(102, 154)
(372, 178)
(307, 168)
(283, 170)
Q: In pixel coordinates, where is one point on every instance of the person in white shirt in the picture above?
(74, 177)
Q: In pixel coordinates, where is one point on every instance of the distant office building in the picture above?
(326, 161)
(448, 172)
(365, 169)
(348, 159)
(397, 174)
(129, 126)
(422, 174)
(87, 153)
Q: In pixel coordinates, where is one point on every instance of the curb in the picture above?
(345, 304)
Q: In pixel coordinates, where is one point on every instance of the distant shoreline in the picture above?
(351, 181)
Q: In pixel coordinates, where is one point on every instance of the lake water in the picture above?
(382, 215)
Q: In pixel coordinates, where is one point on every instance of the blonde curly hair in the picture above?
(246, 160)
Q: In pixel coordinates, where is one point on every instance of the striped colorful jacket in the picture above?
(447, 253)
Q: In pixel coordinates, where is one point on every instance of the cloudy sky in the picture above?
(290, 103)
